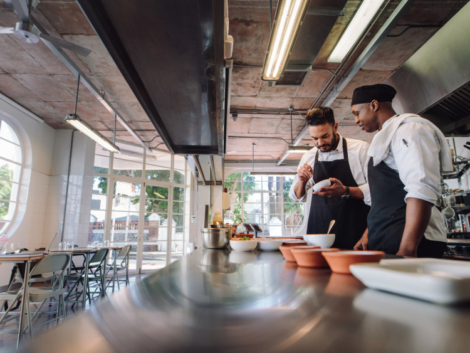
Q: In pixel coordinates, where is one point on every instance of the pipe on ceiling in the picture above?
(389, 24)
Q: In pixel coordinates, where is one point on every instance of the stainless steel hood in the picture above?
(171, 55)
(434, 81)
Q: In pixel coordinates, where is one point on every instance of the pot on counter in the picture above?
(215, 238)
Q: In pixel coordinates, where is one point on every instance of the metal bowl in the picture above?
(215, 238)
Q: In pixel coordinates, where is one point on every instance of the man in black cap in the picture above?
(404, 177)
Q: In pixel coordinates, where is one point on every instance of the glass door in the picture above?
(155, 234)
(126, 222)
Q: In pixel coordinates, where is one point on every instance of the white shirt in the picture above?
(414, 154)
(358, 160)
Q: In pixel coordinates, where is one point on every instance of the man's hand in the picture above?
(363, 242)
(305, 173)
(335, 190)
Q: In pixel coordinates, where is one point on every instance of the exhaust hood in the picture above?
(171, 53)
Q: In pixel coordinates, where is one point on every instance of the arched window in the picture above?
(10, 174)
(264, 200)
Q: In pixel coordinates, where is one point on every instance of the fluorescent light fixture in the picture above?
(80, 125)
(299, 149)
(272, 173)
(355, 29)
(289, 17)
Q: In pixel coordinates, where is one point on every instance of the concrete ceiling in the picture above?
(32, 76)
(35, 78)
(249, 25)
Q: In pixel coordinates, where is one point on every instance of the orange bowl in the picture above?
(286, 251)
(293, 242)
(311, 257)
(340, 261)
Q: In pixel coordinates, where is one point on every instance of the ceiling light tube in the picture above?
(83, 127)
(358, 24)
(289, 17)
(299, 149)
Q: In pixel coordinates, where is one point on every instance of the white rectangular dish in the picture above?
(434, 280)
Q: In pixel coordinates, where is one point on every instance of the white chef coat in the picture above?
(414, 154)
(358, 160)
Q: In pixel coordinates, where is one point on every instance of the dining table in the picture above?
(26, 259)
(86, 251)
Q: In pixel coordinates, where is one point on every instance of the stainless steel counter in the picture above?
(216, 301)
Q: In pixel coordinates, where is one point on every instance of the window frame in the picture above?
(265, 201)
(18, 182)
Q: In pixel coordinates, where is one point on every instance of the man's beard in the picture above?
(331, 145)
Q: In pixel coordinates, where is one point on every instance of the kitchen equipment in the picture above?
(310, 257)
(448, 213)
(322, 184)
(332, 223)
(243, 245)
(340, 261)
(217, 218)
(215, 238)
(322, 240)
(434, 280)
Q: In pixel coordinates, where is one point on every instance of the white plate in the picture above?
(434, 280)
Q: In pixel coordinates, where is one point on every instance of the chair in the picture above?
(97, 268)
(123, 265)
(56, 264)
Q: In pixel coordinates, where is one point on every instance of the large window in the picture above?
(10, 174)
(141, 199)
(264, 200)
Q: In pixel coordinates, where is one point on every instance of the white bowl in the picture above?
(322, 184)
(243, 245)
(269, 245)
(321, 240)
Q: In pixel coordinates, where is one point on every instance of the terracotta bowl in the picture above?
(286, 251)
(340, 261)
(310, 257)
(293, 242)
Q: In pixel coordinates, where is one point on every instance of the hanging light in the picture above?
(299, 149)
(289, 17)
(83, 127)
(355, 29)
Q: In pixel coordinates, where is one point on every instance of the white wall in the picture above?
(77, 219)
(42, 192)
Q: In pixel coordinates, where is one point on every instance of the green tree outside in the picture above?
(5, 188)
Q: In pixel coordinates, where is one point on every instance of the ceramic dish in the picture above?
(293, 242)
(322, 184)
(243, 245)
(321, 240)
(269, 245)
(286, 251)
(434, 280)
(310, 257)
(340, 261)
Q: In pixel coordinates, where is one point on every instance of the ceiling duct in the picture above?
(435, 80)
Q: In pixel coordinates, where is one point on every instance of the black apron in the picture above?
(387, 216)
(350, 214)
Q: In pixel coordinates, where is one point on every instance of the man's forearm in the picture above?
(418, 214)
(356, 193)
(299, 189)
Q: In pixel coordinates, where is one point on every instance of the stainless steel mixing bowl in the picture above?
(215, 238)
